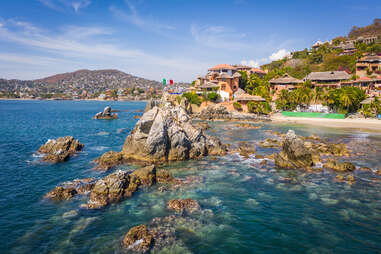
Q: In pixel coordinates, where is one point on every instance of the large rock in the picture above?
(61, 193)
(151, 104)
(294, 154)
(184, 103)
(138, 239)
(106, 114)
(166, 133)
(245, 149)
(146, 175)
(109, 160)
(60, 149)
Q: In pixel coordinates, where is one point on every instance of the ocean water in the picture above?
(247, 208)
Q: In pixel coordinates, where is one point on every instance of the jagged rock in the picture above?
(109, 159)
(61, 193)
(294, 154)
(214, 112)
(245, 149)
(180, 205)
(184, 103)
(167, 134)
(106, 114)
(138, 239)
(70, 189)
(338, 166)
(111, 189)
(60, 149)
(146, 175)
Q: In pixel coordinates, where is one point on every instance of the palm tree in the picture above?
(346, 98)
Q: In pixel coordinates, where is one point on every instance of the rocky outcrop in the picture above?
(181, 205)
(60, 149)
(146, 175)
(70, 189)
(245, 149)
(294, 154)
(166, 133)
(219, 111)
(106, 114)
(108, 160)
(163, 176)
(138, 239)
(270, 143)
(112, 189)
(339, 166)
(185, 104)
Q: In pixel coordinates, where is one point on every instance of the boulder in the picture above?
(166, 133)
(70, 189)
(61, 193)
(111, 189)
(339, 166)
(151, 104)
(294, 154)
(184, 103)
(245, 149)
(106, 114)
(146, 175)
(138, 239)
(270, 143)
(60, 149)
(180, 205)
(108, 160)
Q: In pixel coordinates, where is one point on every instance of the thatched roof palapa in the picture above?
(236, 75)
(286, 79)
(224, 75)
(327, 75)
(221, 67)
(208, 85)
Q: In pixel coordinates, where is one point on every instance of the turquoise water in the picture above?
(247, 208)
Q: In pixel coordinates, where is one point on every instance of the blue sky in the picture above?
(175, 39)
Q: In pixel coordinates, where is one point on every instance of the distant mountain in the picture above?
(93, 81)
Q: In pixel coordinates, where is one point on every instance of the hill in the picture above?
(366, 31)
(76, 82)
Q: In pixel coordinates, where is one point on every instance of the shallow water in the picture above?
(247, 208)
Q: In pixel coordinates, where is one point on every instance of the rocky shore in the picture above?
(106, 114)
(219, 112)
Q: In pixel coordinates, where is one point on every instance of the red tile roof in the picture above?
(222, 66)
(364, 78)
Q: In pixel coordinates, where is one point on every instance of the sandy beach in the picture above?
(366, 124)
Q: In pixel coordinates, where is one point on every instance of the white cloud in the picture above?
(136, 19)
(74, 49)
(251, 63)
(61, 5)
(279, 55)
(218, 37)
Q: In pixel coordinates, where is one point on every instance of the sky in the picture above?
(176, 39)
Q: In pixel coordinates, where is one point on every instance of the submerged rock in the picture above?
(339, 166)
(106, 114)
(60, 149)
(167, 134)
(138, 239)
(180, 205)
(294, 154)
(270, 143)
(163, 176)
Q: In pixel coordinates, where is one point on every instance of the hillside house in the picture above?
(369, 63)
(327, 78)
(285, 82)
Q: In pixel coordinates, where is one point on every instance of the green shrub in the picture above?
(213, 96)
(237, 106)
(193, 98)
(178, 99)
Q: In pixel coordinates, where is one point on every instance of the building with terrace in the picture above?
(368, 64)
(330, 79)
(285, 82)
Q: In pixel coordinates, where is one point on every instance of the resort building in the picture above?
(245, 98)
(368, 65)
(331, 79)
(367, 40)
(348, 48)
(220, 68)
(284, 82)
(258, 72)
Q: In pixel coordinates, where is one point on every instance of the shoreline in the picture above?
(26, 99)
(366, 124)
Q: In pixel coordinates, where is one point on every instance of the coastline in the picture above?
(367, 124)
(26, 99)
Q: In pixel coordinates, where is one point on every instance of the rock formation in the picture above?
(109, 160)
(60, 149)
(181, 205)
(245, 149)
(339, 166)
(138, 239)
(70, 189)
(106, 114)
(294, 154)
(166, 133)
